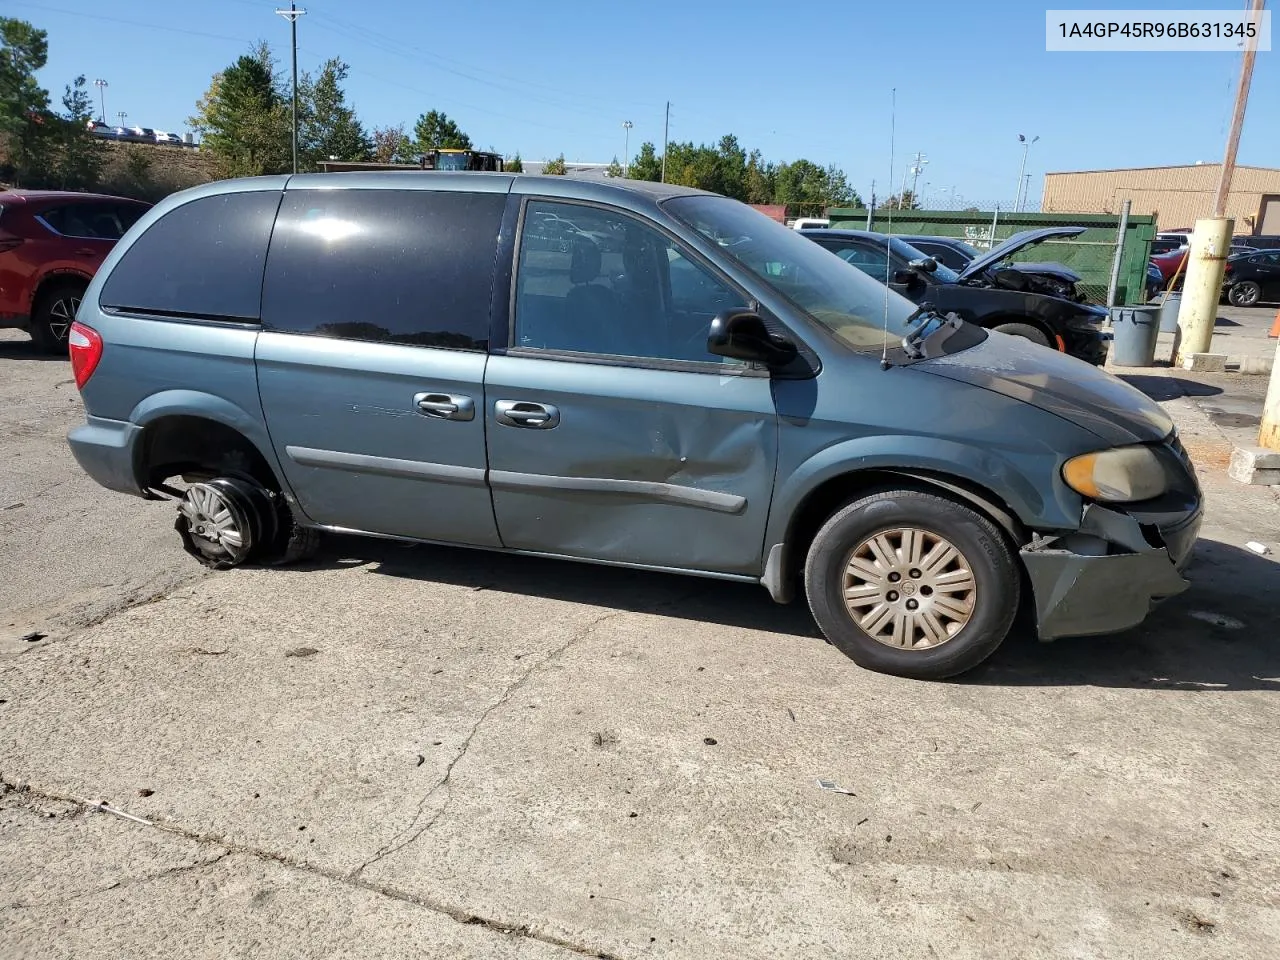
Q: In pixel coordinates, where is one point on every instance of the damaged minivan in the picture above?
(705, 393)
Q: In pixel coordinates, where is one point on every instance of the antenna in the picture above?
(893, 120)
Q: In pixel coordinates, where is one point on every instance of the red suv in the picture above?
(51, 243)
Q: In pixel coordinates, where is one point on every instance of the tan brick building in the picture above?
(1176, 196)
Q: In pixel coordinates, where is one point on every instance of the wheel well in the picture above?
(1000, 319)
(52, 280)
(179, 445)
(830, 496)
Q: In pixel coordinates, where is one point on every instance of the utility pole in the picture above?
(102, 97)
(626, 149)
(1026, 148)
(917, 168)
(1211, 239)
(1237, 117)
(666, 126)
(292, 15)
(872, 205)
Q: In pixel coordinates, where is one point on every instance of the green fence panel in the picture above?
(1091, 254)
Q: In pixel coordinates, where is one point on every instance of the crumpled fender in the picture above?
(1078, 593)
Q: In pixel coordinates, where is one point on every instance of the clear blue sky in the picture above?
(808, 79)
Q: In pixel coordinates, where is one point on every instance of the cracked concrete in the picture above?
(1098, 798)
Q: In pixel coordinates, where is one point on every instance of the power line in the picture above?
(131, 23)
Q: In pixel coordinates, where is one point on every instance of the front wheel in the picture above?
(912, 584)
(1246, 293)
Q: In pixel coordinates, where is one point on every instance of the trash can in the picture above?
(1134, 343)
(1169, 312)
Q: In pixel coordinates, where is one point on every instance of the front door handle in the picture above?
(521, 413)
(445, 406)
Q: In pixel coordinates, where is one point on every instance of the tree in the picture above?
(76, 158)
(646, 165)
(390, 145)
(614, 169)
(515, 164)
(905, 202)
(435, 131)
(328, 128)
(24, 104)
(243, 117)
(759, 179)
(555, 167)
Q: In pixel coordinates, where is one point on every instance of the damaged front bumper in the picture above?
(1106, 577)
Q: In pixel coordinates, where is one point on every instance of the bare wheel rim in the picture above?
(62, 312)
(1246, 294)
(909, 588)
(214, 526)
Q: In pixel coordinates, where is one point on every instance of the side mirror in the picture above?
(928, 265)
(905, 278)
(741, 335)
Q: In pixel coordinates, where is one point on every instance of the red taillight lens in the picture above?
(86, 350)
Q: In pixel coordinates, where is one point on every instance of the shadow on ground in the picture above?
(27, 350)
(1169, 388)
(1222, 634)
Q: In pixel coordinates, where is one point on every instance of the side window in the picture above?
(392, 266)
(599, 281)
(871, 261)
(203, 259)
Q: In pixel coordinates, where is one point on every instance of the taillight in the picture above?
(85, 345)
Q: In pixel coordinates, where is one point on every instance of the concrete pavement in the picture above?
(420, 751)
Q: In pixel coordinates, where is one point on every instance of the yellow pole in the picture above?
(1269, 435)
(1210, 245)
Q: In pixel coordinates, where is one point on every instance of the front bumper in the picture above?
(1107, 577)
(1087, 343)
(104, 450)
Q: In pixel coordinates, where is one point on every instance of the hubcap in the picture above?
(61, 315)
(909, 588)
(212, 522)
(1245, 295)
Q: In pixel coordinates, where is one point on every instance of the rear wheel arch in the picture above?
(56, 278)
(186, 444)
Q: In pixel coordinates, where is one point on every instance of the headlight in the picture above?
(1120, 475)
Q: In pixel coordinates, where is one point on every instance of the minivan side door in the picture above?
(375, 316)
(613, 434)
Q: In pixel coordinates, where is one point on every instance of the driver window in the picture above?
(597, 281)
(872, 262)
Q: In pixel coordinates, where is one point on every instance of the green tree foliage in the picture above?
(435, 131)
(44, 148)
(614, 169)
(515, 164)
(728, 168)
(646, 165)
(244, 117)
(905, 202)
(390, 145)
(555, 167)
(327, 126)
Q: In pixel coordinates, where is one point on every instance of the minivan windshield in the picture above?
(839, 296)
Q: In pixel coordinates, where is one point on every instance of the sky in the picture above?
(815, 80)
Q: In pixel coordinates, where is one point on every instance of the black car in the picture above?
(1259, 242)
(982, 294)
(1252, 278)
(1051, 278)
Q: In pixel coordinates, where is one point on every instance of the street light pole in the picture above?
(1026, 148)
(122, 115)
(292, 15)
(626, 148)
(102, 97)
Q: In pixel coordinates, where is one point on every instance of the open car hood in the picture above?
(1059, 270)
(1015, 243)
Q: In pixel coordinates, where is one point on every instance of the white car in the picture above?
(162, 137)
(810, 223)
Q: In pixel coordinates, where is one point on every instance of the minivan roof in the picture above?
(458, 180)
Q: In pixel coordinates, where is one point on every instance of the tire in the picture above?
(51, 317)
(968, 622)
(227, 521)
(1024, 330)
(1246, 293)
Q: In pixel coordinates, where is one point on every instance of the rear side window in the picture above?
(92, 221)
(203, 259)
(391, 266)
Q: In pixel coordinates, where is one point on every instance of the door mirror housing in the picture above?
(925, 265)
(905, 278)
(742, 335)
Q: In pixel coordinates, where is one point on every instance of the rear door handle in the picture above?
(445, 406)
(522, 413)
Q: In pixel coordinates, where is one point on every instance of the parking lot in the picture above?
(418, 751)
